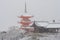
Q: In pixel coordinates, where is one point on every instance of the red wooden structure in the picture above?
(25, 22)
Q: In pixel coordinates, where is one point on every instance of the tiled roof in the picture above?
(53, 25)
(45, 24)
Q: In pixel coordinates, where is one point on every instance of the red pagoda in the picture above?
(25, 21)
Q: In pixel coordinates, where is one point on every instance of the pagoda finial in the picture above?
(25, 7)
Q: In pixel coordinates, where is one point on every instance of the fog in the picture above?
(40, 9)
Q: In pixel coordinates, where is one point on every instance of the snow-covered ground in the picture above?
(19, 35)
(49, 36)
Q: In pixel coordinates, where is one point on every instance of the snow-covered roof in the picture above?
(42, 23)
(46, 24)
(53, 25)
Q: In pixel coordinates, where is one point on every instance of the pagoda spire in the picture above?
(25, 7)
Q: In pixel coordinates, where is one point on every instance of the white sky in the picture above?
(40, 9)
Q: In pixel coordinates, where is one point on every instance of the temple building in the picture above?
(40, 29)
(51, 27)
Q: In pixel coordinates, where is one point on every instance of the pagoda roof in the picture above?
(33, 25)
(25, 16)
